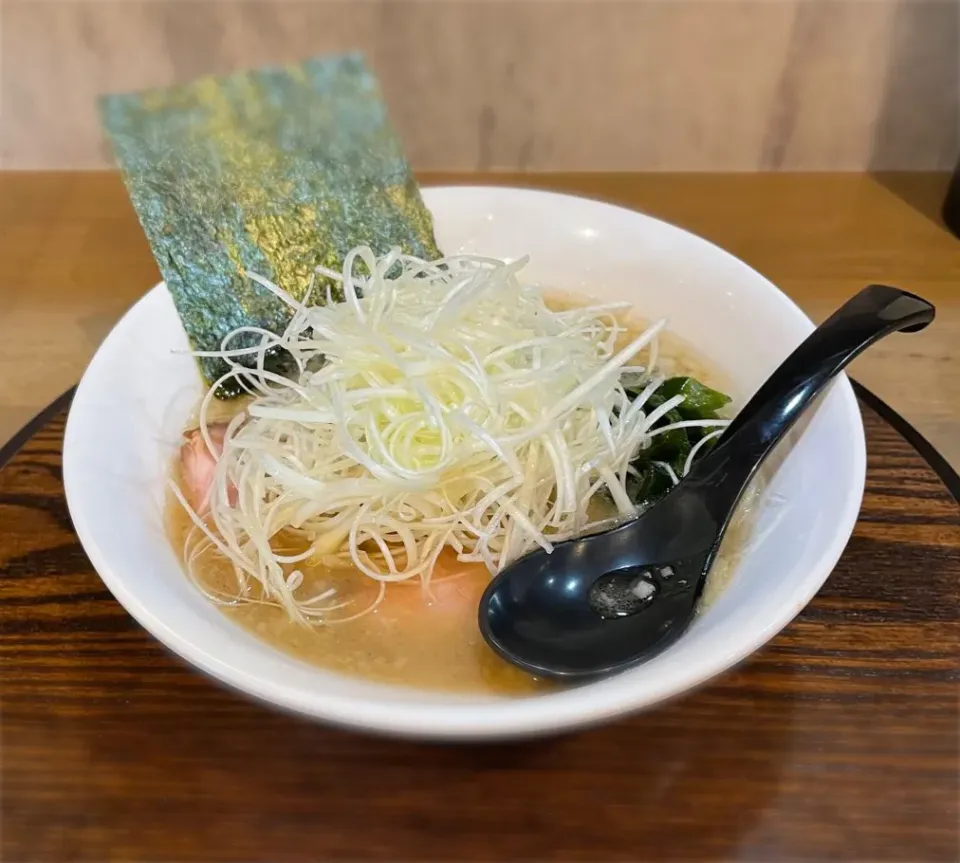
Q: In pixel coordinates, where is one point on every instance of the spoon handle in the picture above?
(873, 313)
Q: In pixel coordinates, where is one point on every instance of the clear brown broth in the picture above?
(428, 641)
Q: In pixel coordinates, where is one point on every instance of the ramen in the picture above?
(442, 421)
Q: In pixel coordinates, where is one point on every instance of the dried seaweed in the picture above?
(274, 170)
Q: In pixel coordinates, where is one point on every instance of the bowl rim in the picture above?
(472, 720)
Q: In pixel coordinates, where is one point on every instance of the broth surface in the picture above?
(424, 639)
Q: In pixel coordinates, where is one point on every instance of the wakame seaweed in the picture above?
(672, 447)
(275, 171)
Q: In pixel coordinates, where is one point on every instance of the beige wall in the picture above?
(529, 84)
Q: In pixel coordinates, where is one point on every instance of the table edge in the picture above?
(23, 435)
(926, 450)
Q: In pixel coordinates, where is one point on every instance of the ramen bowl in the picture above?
(135, 397)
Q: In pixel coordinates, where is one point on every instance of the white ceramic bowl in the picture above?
(134, 398)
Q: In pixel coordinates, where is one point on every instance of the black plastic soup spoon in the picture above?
(608, 601)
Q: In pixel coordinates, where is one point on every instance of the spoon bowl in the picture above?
(609, 601)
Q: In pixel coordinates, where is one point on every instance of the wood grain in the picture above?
(838, 741)
(73, 258)
(561, 85)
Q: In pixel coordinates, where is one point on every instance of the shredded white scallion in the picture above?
(442, 405)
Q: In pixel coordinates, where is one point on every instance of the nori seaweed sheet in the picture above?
(274, 170)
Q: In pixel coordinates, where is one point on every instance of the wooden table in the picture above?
(837, 741)
(73, 258)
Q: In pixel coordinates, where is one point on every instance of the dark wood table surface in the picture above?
(837, 741)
